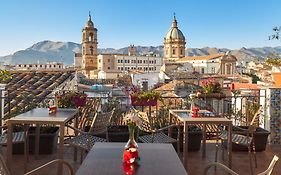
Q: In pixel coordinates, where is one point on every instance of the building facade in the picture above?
(222, 63)
(45, 66)
(174, 43)
(89, 47)
(125, 63)
(78, 60)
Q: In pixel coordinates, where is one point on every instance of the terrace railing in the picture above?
(236, 107)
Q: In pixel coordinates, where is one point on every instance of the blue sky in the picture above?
(214, 23)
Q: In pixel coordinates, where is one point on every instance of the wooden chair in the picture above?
(156, 135)
(18, 137)
(268, 171)
(245, 137)
(86, 139)
(5, 171)
(88, 111)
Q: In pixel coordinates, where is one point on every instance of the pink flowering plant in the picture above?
(211, 86)
(71, 99)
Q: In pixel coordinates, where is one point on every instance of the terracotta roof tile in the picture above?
(205, 57)
(237, 86)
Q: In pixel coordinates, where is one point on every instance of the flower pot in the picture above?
(116, 133)
(47, 142)
(194, 136)
(260, 140)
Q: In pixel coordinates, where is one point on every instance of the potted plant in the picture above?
(211, 89)
(70, 99)
(116, 131)
(47, 141)
(195, 135)
(260, 135)
(5, 75)
(145, 98)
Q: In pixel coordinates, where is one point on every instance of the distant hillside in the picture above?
(50, 51)
(45, 51)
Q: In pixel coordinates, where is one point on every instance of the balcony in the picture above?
(235, 108)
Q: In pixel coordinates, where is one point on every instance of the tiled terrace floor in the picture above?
(196, 163)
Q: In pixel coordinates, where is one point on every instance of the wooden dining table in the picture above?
(106, 158)
(41, 116)
(185, 117)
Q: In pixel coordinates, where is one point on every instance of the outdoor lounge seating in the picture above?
(86, 139)
(18, 137)
(268, 171)
(156, 135)
(245, 137)
(88, 111)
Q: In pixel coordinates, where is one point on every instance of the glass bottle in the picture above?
(131, 142)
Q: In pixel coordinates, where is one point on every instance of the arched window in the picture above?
(91, 38)
(181, 51)
(91, 51)
(174, 51)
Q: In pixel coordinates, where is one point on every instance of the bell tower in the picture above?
(89, 47)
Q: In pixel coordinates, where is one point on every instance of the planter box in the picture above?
(143, 102)
(47, 142)
(194, 136)
(119, 133)
(260, 140)
(212, 95)
(116, 133)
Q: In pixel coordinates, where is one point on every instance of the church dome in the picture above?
(175, 32)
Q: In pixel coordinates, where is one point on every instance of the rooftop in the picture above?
(205, 57)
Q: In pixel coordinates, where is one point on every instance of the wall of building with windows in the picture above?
(206, 66)
(143, 63)
(45, 66)
(123, 63)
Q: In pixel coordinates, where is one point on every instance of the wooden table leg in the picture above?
(76, 121)
(9, 145)
(60, 151)
(204, 141)
(185, 144)
(26, 147)
(37, 141)
(229, 150)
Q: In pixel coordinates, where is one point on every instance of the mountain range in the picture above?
(50, 51)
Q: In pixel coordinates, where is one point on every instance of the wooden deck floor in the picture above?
(196, 163)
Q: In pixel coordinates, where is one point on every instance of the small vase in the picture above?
(131, 142)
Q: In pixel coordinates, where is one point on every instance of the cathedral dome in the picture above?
(175, 32)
